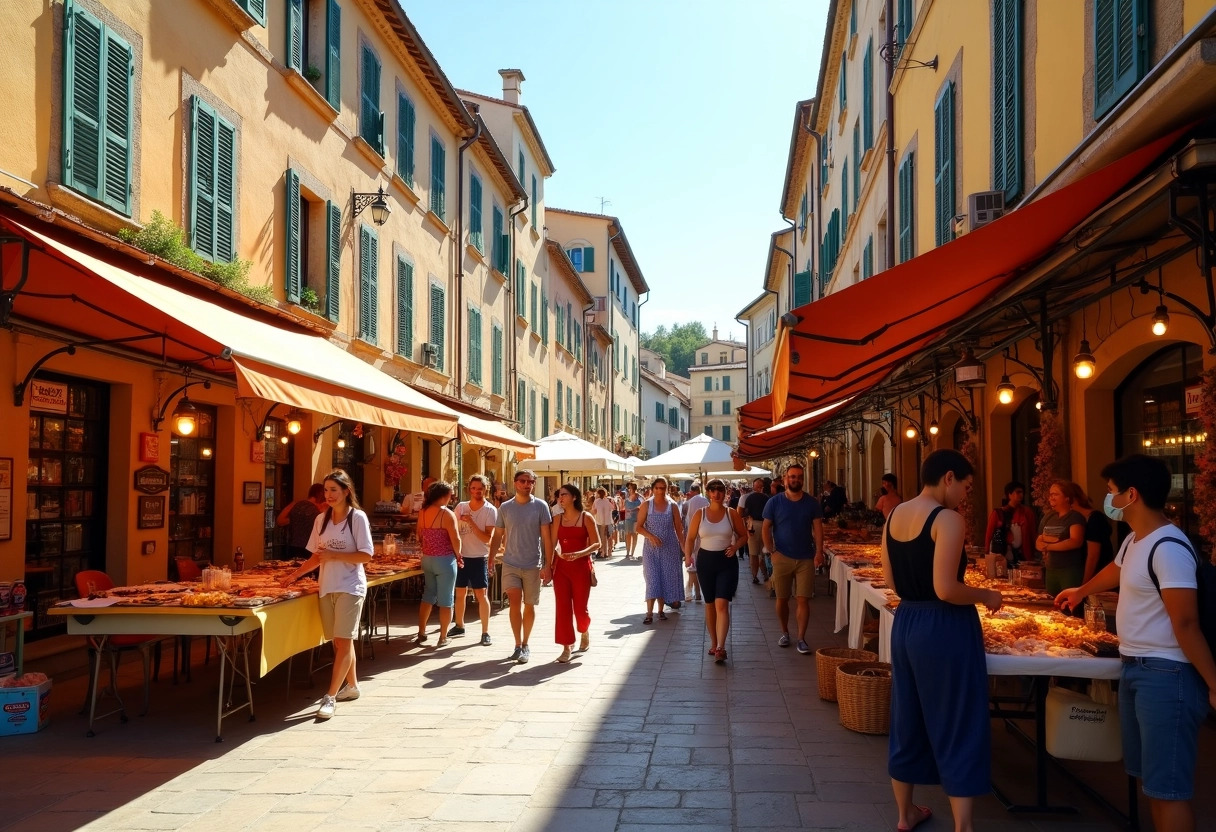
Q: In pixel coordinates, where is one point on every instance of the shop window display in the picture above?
(192, 491)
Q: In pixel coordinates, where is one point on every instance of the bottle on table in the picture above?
(238, 560)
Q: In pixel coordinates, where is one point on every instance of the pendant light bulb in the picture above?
(910, 432)
(1005, 390)
(1084, 364)
(1161, 320)
(185, 417)
(934, 428)
(341, 441)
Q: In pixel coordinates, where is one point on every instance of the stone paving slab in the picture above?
(643, 732)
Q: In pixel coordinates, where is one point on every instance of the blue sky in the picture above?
(677, 111)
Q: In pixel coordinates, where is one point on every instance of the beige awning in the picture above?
(491, 434)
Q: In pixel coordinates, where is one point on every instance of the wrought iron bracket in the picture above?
(890, 53)
(8, 297)
(159, 419)
(1200, 230)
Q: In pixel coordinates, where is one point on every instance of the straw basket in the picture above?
(826, 661)
(864, 691)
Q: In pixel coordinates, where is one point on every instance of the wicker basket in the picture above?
(864, 690)
(826, 661)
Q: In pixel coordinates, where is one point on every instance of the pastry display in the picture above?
(1021, 632)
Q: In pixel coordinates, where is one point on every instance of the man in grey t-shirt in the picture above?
(524, 523)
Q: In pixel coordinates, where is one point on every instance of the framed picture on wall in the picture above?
(252, 492)
(151, 513)
(149, 447)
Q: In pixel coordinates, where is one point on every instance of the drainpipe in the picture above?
(611, 297)
(584, 419)
(458, 329)
(747, 354)
(891, 227)
(638, 351)
(519, 406)
(793, 257)
(818, 137)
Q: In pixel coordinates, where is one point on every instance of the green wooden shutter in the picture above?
(559, 327)
(532, 415)
(369, 256)
(255, 8)
(588, 259)
(943, 165)
(532, 307)
(856, 165)
(906, 223)
(853, 17)
(1007, 97)
(558, 400)
(521, 405)
(569, 405)
(499, 256)
(521, 300)
(371, 120)
(405, 308)
(844, 85)
(802, 289)
(578, 340)
(333, 55)
(295, 35)
(438, 164)
(578, 411)
(475, 235)
(225, 191)
(867, 94)
(406, 122)
(570, 343)
(292, 280)
(438, 321)
(545, 424)
(521, 167)
(844, 194)
(333, 259)
(903, 23)
(474, 346)
(496, 360)
(867, 258)
(1120, 49)
(202, 178)
(544, 318)
(117, 136)
(535, 200)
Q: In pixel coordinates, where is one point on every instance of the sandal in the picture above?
(720, 656)
(925, 814)
(648, 620)
(662, 615)
(713, 651)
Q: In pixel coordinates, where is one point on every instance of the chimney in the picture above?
(512, 81)
(715, 332)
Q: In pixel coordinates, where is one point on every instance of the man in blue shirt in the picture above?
(793, 533)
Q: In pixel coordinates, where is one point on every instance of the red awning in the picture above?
(770, 442)
(849, 341)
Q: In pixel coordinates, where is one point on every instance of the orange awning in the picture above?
(768, 443)
(849, 341)
(75, 288)
(490, 434)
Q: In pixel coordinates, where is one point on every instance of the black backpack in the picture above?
(1205, 579)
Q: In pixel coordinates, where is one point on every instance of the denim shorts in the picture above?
(439, 580)
(1162, 705)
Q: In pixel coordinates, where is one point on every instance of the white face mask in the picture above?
(1111, 511)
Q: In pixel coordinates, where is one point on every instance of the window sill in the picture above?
(535, 336)
(841, 119)
(313, 316)
(374, 156)
(497, 400)
(310, 94)
(85, 208)
(476, 253)
(437, 221)
(472, 387)
(852, 45)
(363, 347)
(521, 320)
(497, 275)
(405, 189)
(867, 159)
(234, 14)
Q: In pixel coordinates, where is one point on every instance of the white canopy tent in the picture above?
(700, 455)
(749, 473)
(566, 455)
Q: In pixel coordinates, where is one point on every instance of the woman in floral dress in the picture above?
(661, 530)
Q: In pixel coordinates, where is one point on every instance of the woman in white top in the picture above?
(721, 531)
(341, 543)
(603, 508)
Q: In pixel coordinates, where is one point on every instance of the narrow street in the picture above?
(644, 731)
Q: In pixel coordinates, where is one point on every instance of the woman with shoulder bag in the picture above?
(573, 572)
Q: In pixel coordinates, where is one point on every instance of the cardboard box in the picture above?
(25, 710)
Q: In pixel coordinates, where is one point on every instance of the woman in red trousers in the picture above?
(577, 540)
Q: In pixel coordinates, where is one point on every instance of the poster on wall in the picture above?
(6, 498)
(48, 396)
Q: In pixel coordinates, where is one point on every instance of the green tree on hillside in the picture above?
(677, 345)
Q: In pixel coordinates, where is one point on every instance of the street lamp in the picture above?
(376, 202)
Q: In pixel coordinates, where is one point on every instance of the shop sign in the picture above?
(151, 513)
(1194, 395)
(48, 396)
(257, 451)
(151, 479)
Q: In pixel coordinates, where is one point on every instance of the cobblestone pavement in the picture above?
(641, 732)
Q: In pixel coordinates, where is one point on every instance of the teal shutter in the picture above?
(521, 301)
(406, 122)
(255, 8)
(532, 307)
(943, 165)
(498, 242)
(544, 318)
(405, 308)
(570, 342)
(844, 86)
(532, 415)
(726, 386)
(1120, 49)
(475, 346)
(856, 165)
(578, 340)
(1007, 98)
(569, 405)
(558, 401)
(295, 35)
(903, 24)
(535, 199)
(98, 90)
(475, 235)
(521, 406)
(212, 183)
(333, 259)
(867, 94)
(438, 321)
(496, 360)
(867, 258)
(333, 55)
(544, 416)
(292, 280)
(369, 261)
(438, 165)
(578, 411)
(853, 17)
(844, 193)
(371, 120)
(559, 328)
(588, 259)
(521, 166)
(802, 289)
(906, 222)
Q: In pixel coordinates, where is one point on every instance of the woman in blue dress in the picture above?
(661, 531)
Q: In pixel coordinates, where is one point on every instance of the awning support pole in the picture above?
(8, 297)
(1047, 349)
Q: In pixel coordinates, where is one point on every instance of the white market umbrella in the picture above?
(751, 472)
(702, 453)
(565, 454)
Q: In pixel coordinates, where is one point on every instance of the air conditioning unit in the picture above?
(983, 207)
(599, 311)
(601, 303)
(430, 355)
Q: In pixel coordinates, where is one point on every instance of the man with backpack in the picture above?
(1169, 676)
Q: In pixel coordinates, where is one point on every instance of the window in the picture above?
(558, 401)
(475, 235)
(943, 165)
(559, 324)
(709, 382)
(709, 408)
(532, 307)
(544, 318)
(371, 120)
(867, 258)
(369, 262)
(576, 258)
(588, 259)
(333, 54)
(496, 360)
(534, 201)
(438, 169)
(726, 407)
(726, 433)
(405, 308)
(569, 406)
(1007, 97)
(616, 418)
(406, 124)
(99, 110)
(255, 9)
(521, 166)
(802, 288)
(907, 248)
(1120, 49)
(212, 183)
(500, 243)
(521, 407)
(532, 415)
(903, 23)
(521, 283)
(802, 212)
(578, 340)
(705, 359)
(844, 198)
(856, 165)
(867, 94)
(725, 382)
(673, 416)
(844, 86)
(295, 231)
(709, 430)
(474, 336)
(659, 414)
(438, 323)
(853, 17)
(544, 416)
(333, 259)
(578, 410)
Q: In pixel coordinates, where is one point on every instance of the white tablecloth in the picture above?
(1082, 668)
(841, 574)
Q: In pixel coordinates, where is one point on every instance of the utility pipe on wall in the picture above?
(458, 329)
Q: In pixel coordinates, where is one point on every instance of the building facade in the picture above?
(719, 387)
(666, 407)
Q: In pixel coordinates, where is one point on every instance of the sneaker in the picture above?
(455, 632)
(349, 693)
(422, 637)
(755, 580)
(524, 655)
(485, 640)
(784, 641)
(328, 706)
(514, 657)
(803, 647)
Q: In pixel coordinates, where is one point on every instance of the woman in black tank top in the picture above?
(939, 680)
